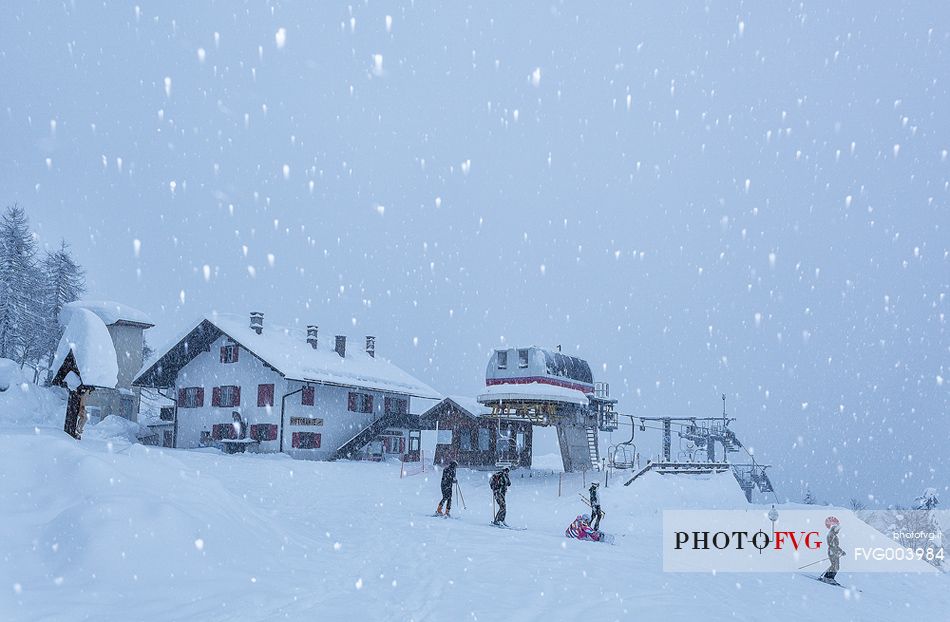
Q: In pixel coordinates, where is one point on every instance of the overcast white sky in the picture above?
(698, 198)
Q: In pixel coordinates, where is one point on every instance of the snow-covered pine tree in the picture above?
(63, 281)
(927, 500)
(808, 497)
(20, 294)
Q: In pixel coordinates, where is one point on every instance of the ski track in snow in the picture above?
(110, 533)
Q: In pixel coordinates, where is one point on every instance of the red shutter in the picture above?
(216, 396)
(201, 397)
(235, 353)
(182, 398)
(368, 404)
(237, 396)
(265, 395)
(224, 350)
(351, 402)
(306, 396)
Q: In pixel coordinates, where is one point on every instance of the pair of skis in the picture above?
(832, 582)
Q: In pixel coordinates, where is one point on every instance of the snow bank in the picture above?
(115, 427)
(88, 338)
(115, 531)
(24, 403)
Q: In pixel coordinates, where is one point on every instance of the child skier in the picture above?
(582, 530)
(595, 512)
(499, 485)
(448, 479)
(835, 552)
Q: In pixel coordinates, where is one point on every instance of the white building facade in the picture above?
(294, 392)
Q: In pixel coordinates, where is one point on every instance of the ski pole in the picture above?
(823, 559)
(587, 501)
(461, 498)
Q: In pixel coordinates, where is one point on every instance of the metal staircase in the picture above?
(592, 448)
(367, 434)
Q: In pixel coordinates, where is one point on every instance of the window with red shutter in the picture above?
(226, 396)
(263, 432)
(191, 397)
(306, 396)
(305, 440)
(229, 353)
(265, 395)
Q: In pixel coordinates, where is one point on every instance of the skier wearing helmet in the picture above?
(448, 479)
(835, 552)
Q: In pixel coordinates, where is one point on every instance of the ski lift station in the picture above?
(548, 388)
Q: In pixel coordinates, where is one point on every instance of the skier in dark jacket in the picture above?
(595, 512)
(448, 479)
(499, 486)
(835, 552)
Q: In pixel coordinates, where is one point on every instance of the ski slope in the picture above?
(107, 530)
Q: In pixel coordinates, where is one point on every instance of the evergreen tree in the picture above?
(927, 501)
(808, 497)
(64, 281)
(20, 295)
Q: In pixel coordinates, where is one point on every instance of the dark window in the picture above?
(395, 405)
(502, 359)
(191, 397)
(226, 396)
(522, 358)
(306, 396)
(229, 354)
(167, 413)
(169, 439)
(465, 439)
(263, 432)
(359, 402)
(306, 440)
(394, 445)
(483, 439)
(265, 395)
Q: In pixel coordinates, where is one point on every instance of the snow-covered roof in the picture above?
(471, 405)
(287, 351)
(109, 312)
(88, 339)
(532, 391)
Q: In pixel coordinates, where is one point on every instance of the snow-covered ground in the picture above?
(108, 530)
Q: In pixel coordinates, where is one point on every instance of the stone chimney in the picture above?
(341, 345)
(312, 336)
(257, 321)
(371, 345)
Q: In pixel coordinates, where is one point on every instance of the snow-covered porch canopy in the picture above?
(85, 355)
(287, 352)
